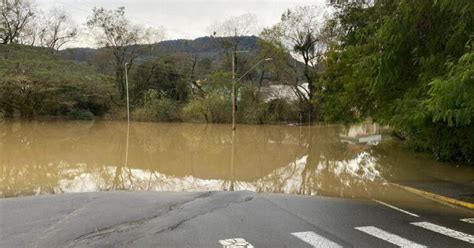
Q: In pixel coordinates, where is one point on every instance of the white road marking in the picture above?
(446, 231)
(398, 209)
(389, 237)
(315, 240)
(468, 220)
(235, 243)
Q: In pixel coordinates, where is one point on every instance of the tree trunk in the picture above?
(120, 82)
(312, 110)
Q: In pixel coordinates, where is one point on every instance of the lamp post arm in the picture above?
(251, 68)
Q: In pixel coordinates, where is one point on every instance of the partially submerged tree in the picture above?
(298, 32)
(115, 32)
(14, 17)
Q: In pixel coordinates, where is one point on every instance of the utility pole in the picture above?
(128, 116)
(126, 85)
(234, 81)
(234, 97)
(234, 93)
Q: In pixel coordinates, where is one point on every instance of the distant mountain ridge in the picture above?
(210, 47)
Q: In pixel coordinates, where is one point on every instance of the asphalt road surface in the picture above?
(229, 219)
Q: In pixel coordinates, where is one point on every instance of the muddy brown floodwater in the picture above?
(58, 156)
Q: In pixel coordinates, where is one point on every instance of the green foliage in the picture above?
(215, 107)
(408, 64)
(157, 107)
(163, 75)
(33, 82)
(279, 110)
(251, 108)
(254, 110)
(220, 81)
(452, 97)
(81, 114)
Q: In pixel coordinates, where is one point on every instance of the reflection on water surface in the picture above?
(55, 157)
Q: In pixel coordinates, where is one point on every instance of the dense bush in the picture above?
(215, 107)
(279, 110)
(33, 82)
(163, 75)
(81, 114)
(253, 109)
(393, 61)
(157, 107)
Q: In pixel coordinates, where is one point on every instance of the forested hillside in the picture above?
(34, 82)
(205, 47)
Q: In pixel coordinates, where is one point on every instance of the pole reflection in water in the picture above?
(56, 157)
(231, 188)
(126, 145)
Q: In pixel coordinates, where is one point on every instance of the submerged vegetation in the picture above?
(408, 64)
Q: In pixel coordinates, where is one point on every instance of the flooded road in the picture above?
(56, 157)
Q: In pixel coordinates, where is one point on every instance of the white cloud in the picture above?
(186, 19)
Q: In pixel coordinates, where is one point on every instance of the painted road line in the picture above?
(389, 237)
(315, 240)
(446, 231)
(468, 220)
(398, 209)
(436, 197)
(235, 243)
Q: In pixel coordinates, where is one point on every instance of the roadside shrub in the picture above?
(81, 114)
(252, 108)
(279, 110)
(157, 108)
(195, 110)
(2, 116)
(215, 107)
(445, 143)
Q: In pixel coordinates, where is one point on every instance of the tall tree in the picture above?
(231, 32)
(115, 32)
(298, 32)
(14, 17)
(57, 30)
(394, 62)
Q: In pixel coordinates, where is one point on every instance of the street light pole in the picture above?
(234, 95)
(126, 85)
(128, 116)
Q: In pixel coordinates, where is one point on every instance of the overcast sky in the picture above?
(186, 19)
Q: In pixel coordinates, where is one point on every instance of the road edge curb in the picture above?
(436, 197)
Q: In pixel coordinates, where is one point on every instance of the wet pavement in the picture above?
(458, 191)
(220, 219)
